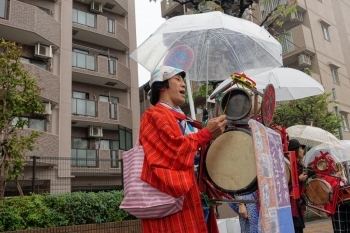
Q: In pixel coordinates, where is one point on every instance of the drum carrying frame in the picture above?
(267, 109)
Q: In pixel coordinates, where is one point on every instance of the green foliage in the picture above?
(19, 95)
(312, 110)
(41, 211)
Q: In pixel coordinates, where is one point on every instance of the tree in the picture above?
(308, 111)
(19, 96)
(226, 6)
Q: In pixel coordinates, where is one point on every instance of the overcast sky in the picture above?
(148, 19)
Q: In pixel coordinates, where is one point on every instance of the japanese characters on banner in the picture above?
(275, 211)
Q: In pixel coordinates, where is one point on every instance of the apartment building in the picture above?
(315, 37)
(77, 50)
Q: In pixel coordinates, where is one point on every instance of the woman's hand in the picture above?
(242, 211)
(302, 177)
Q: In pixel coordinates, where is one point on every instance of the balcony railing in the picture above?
(84, 158)
(268, 6)
(287, 42)
(84, 107)
(113, 111)
(83, 61)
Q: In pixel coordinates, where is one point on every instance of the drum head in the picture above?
(318, 191)
(230, 162)
(322, 165)
(236, 104)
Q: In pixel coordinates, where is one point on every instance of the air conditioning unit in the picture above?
(47, 108)
(296, 16)
(44, 51)
(96, 7)
(95, 131)
(304, 60)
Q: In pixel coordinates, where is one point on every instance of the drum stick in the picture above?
(235, 201)
(314, 212)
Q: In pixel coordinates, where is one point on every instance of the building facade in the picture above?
(78, 53)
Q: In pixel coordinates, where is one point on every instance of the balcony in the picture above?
(27, 24)
(171, 9)
(299, 40)
(104, 114)
(48, 82)
(97, 162)
(100, 71)
(96, 29)
(46, 145)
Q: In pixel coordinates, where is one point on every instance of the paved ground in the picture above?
(319, 226)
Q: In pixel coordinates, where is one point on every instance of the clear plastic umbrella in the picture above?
(312, 136)
(290, 84)
(336, 152)
(210, 46)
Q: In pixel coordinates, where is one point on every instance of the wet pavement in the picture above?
(320, 226)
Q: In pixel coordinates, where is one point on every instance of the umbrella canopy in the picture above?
(290, 84)
(312, 136)
(338, 153)
(210, 46)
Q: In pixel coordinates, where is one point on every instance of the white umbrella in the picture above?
(210, 46)
(290, 84)
(312, 136)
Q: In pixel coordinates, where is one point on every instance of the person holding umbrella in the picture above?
(170, 145)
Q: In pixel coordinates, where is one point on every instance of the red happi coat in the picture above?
(168, 166)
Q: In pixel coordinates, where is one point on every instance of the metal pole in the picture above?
(341, 134)
(122, 169)
(337, 112)
(33, 175)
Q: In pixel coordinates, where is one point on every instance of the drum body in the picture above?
(318, 191)
(230, 162)
(288, 172)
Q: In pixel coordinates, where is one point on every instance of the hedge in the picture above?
(41, 211)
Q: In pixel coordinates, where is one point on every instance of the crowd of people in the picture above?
(170, 142)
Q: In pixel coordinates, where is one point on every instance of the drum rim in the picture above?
(251, 187)
(250, 101)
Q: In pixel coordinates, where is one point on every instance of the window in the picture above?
(81, 155)
(80, 95)
(345, 122)
(82, 59)
(325, 32)
(47, 11)
(3, 9)
(125, 138)
(335, 77)
(111, 26)
(113, 100)
(80, 143)
(32, 123)
(109, 144)
(104, 98)
(83, 18)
